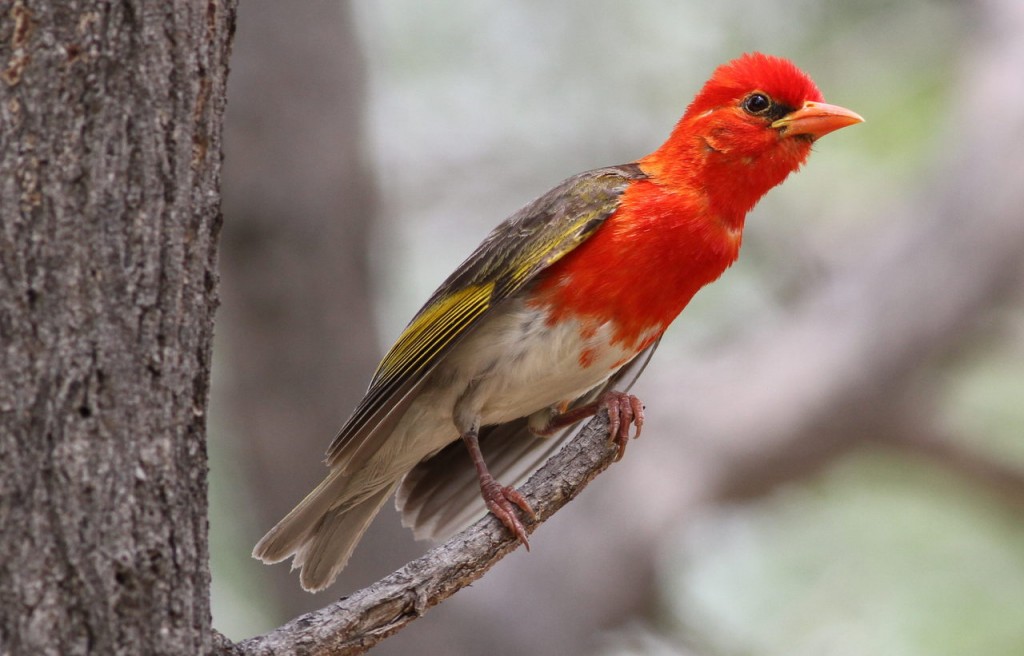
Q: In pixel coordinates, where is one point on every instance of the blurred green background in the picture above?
(834, 461)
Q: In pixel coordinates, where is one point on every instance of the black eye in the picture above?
(757, 103)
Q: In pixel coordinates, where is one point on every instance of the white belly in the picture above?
(510, 366)
(515, 364)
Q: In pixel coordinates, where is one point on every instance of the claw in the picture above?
(502, 501)
(623, 410)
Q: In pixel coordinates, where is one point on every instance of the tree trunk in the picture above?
(110, 152)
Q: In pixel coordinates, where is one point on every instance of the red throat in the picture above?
(725, 154)
(712, 158)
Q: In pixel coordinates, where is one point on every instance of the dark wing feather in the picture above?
(528, 242)
(442, 494)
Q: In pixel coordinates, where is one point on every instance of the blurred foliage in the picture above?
(984, 401)
(878, 555)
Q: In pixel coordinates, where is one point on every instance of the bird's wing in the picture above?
(513, 254)
(442, 493)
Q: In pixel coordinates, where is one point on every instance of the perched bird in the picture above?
(560, 305)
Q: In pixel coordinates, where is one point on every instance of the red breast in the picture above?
(642, 267)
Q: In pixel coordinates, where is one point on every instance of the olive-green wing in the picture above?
(513, 254)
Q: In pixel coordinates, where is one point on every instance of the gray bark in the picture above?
(110, 151)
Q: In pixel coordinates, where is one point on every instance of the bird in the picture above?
(543, 325)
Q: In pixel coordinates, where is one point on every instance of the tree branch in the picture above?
(357, 622)
(1004, 479)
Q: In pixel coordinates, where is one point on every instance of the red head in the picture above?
(751, 125)
(777, 78)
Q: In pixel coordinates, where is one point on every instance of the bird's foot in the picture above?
(500, 500)
(623, 410)
(503, 501)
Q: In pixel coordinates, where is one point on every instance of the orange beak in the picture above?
(816, 120)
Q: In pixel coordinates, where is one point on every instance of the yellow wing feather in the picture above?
(434, 328)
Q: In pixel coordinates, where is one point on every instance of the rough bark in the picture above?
(109, 205)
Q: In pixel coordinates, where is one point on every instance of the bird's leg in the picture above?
(623, 410)
(500, 500)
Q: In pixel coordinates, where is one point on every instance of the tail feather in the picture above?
(330, 545)
(322, 530)
(289, 534)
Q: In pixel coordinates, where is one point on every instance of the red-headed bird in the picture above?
(561, 303)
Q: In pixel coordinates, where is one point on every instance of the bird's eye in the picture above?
(756, 104)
